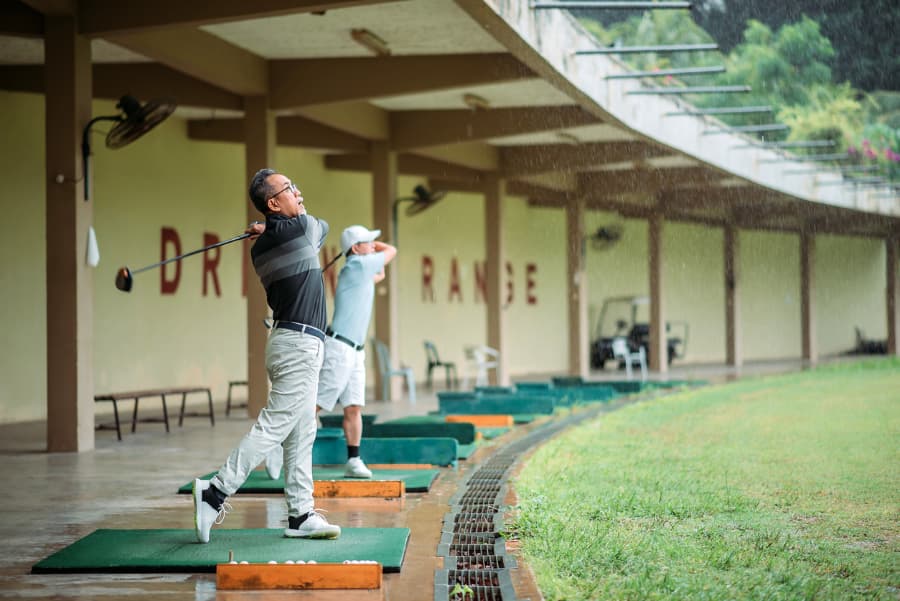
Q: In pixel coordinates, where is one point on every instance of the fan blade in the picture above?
(139, 122)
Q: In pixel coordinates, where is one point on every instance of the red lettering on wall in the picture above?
(427, 273)
(530, 270)
(455, 289)
(211, 260)
(509, 283)
(168, 285)
(331, 275)
(480, 281)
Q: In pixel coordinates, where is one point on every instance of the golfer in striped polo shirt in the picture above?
(286, 259)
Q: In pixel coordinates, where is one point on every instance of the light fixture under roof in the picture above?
(370, 41)
(474, 101)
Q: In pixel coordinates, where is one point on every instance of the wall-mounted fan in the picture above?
(421, 200)
(135, 121)
(606, 236)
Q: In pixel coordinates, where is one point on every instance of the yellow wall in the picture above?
(850, 291)
(145, 339)
(23, 383)
(770, 295)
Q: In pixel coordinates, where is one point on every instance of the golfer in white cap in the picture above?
(343, 375)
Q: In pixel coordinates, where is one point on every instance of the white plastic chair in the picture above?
(623, 353)
(388, 371)
(479, 359)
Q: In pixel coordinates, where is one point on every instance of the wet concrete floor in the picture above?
(52, 500)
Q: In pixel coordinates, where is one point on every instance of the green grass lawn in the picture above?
(773, 488)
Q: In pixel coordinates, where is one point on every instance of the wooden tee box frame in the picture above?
(262, 576)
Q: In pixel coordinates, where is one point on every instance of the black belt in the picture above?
(302, 328)
(347, 341)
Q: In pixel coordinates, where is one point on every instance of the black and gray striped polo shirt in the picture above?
(286, 259)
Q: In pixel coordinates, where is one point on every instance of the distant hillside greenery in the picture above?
(790, 69)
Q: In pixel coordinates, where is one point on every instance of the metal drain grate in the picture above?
(479, 508)
(473, 577)
(478, 497)
(471, 543)
(478, 563)
(482, 525)
(475, 593)
(471, 550)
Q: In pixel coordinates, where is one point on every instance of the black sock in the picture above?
(294, 523)
(214, 497)
(352, 451)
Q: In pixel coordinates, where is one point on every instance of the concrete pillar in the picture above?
(577, 289)
(259, 153)
(808, 295)
(70, 297)
(893, 291)
(658, 351)
(384, 193)
(494, 191)
(733, 335)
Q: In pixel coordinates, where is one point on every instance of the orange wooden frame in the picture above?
(259, 576)
(487, 421)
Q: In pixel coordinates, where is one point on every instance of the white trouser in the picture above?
(293, 361)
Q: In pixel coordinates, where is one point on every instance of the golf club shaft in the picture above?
(332, 262)
(193, 252)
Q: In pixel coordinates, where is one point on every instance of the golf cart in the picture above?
(619, 318)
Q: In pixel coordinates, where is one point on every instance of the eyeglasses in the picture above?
(292, 187)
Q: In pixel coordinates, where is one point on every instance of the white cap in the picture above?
(356, 233)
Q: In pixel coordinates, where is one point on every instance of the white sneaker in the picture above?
(274, 460)
(356, 469)
(314, 526)
(205, 515)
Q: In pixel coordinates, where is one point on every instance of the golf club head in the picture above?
(124, 280)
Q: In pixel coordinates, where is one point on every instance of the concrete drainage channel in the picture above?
(474, 553)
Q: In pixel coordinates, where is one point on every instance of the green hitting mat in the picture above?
(439, 420)
(464, 451)
(432, 451)
(133, 551)
(492, 432)
(259, 481)
(506, 404)
(463, 433)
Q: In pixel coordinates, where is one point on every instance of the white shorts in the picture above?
(343, 376)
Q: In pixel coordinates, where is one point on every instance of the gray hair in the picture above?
(260, 190)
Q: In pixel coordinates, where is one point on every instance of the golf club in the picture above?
(125, 277)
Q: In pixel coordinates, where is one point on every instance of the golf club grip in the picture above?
(193, 252)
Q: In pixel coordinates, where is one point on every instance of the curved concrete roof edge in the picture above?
(546, 40)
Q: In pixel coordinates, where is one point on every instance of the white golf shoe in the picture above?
(356, 469)
(205, 515)
(314, 526)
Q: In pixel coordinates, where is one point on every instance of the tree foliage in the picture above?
(781, 67)
(789, 69)
(863, 32)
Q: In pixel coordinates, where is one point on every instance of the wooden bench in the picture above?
(231, 385)
(136, 395)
